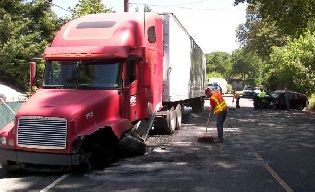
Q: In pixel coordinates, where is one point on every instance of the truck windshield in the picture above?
(82, 75)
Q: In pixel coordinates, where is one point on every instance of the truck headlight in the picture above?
(3, 140)
(10, 142)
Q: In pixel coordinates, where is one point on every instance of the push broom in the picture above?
(206, 138)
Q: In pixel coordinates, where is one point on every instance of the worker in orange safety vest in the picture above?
(237, 97)
(218, 107)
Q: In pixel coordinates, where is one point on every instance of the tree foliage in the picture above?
(259, 34)
(290, 16)
(26, 27)
(293, 65)
(85, 7)
(218, 64)
(282, 34)
(245, 65)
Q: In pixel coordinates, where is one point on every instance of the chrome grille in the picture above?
(42, 132)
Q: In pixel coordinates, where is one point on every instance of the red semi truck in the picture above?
(109, 79)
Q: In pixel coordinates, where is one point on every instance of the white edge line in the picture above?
(54, 183)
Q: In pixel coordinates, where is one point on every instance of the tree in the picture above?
(282, 34)
(245, 65)
(291, 17)
(218, 64)
(259, 34)
(26, 27)
(293, 65)
(85, 7)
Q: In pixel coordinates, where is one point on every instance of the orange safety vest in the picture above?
(237, 96)
(220, 104)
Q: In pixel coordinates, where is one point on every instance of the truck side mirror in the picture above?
(32, 65)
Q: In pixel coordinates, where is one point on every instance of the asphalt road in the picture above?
(263, 150)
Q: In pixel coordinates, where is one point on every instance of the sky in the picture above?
(211, 23)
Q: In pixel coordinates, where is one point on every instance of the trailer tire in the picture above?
(172, 120)
(164, 124)
(179, 116)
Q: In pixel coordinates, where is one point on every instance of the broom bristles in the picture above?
(205, 139)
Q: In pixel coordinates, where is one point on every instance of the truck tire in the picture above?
(99, 148)
(301, 107)
(164, 123)
(172, 121)
(179, 116)
(131, 146)
(198, 105)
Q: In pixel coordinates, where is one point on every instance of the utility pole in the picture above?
(126, 7)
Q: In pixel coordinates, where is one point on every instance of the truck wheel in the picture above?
(179, 116)
(165, 124)
(172, 120)
(99, 148)
(301, 107)
(131, 146)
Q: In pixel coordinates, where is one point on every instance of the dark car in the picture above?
(267, 102)
(248, 92)
(297, 100)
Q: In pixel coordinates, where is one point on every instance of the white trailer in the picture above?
(184, 74)
(184, 64)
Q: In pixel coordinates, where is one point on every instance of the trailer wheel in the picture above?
(179, 116)
(165, 124)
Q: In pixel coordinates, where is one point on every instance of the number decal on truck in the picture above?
(133, 101)
(89, 115)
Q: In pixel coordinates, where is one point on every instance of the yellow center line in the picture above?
(274, 174)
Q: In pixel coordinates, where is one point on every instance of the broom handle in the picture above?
(208, 121)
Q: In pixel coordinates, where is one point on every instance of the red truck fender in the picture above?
(118, 126)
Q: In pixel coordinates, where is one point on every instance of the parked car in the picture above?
(267, 102)
(9, 94)
(298, 100)
(248, 92)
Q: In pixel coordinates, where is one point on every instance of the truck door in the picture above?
(133, 89)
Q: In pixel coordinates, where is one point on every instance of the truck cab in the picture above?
(97, 90)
